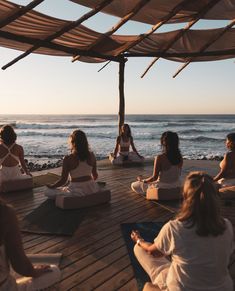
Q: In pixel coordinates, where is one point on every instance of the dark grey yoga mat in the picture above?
(48, 219)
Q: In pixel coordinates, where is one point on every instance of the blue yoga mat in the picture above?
(148, 230)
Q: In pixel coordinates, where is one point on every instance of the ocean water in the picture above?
(45, 137)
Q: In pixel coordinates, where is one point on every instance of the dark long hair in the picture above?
(231, 139)
(80, 145)
(7, 134)
(170, 146)
(200, 207)
(124, 126)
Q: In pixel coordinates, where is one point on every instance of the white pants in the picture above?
(74, 189)
(156, 268)
(139, 187)
(130, 156)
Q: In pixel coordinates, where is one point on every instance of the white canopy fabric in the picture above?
(29, 29)
(155, 10)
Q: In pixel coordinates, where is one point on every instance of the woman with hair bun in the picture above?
(79, 170)
(167, 166)
(226, 176)
(199, 241)
(11, 156)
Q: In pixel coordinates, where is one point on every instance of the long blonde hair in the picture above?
(200, 207)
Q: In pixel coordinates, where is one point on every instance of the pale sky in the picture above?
(40, 84)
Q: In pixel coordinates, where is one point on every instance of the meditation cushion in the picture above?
(75, 202)
(154, 193)
(16, 185)
(227, 192)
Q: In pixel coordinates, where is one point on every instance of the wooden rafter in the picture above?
(21, 11)
(122, 21)
(161, 54)
(66, 28)
(197, 17)
(206, 45)
(141, 37)
(51, 45)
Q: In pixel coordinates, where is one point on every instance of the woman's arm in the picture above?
(224, 168)
(134, 148)
(156, 170)
(148, 247)
(14, 248)
(116, 147)
(22, 161)
(64, 175)
(94, 167)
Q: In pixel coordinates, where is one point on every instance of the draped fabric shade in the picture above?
(155, 10)
(34, 28)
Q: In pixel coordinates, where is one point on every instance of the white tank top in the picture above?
(83, 169)
(9, 154)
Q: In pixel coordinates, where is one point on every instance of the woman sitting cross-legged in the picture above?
(167, 166)
(199, 242)
(11, 156)
(78, 171)
(226, 176)
(122, 151)
(12, 253)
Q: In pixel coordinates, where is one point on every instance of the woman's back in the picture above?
(10, 154)
(198, 262)
(168, 172)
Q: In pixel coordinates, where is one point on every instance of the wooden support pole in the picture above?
(121, 113)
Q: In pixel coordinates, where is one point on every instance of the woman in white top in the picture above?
(12, 254)
(199, 242)
(167, 166)
(11, 156)
(122, 151)
(226, 176)
(78, 170)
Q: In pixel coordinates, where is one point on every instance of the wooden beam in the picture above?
(121, 113)
(197, 17)
(206, 45)
(64, 29)
(182, 54)
(21, 11)
(141, 37)
(122, 21)
(51, 45)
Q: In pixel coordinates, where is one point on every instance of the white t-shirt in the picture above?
(198, 263)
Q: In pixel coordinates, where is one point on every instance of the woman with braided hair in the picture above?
(79, 170)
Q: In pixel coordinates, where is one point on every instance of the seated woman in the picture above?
(199, 242)
(11, 156)
(122, 149)
(78, 170)
(226, 176)
(167, 166)
(12, 253)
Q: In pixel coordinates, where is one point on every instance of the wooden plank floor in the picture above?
(95, 257)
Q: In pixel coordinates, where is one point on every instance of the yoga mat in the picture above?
(148, 230)
(42, 180)
(48, 219)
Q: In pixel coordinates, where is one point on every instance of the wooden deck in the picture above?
(95, 257)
